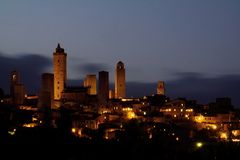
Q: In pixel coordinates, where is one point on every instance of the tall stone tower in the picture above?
(103, 86)
(46, 93)
(59, 71)
(160, 88)
(120, 85)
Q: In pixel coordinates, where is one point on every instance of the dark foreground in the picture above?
(55, 145)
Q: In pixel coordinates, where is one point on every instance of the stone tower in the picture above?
(59, 71)
(120, 84)
(103, 86)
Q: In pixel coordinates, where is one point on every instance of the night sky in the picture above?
(192, 45)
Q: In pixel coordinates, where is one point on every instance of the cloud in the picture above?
(92, 68)
(30, 66)
(193, 86)
(206, 89)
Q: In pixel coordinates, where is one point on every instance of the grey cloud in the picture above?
(92, 68)
(30, 66)
(193, 86)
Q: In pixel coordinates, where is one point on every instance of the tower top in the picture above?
(120, 65)
(59, 49)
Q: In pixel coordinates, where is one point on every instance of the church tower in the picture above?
(120, 84)
(59, 71)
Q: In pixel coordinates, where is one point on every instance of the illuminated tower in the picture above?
(120, 86)
(160, 88)
(103, 86)
(59, 71)
(91, 82)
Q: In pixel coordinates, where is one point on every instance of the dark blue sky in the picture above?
(156, 39)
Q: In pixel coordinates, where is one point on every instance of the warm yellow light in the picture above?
(236, 132)
(214, 126)
(181, 110)
(177, 139)
(236, 140)
(144, 113)
(199, 144)
(29, 125)
(175, 115)
(73, 130)
(199, 119)
(127, 109)
(223, 135)
(34, 119)
(131, 115)
(79, 132)
(189, 110)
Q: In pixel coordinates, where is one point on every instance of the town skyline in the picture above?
(134, 88)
